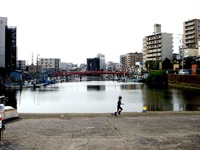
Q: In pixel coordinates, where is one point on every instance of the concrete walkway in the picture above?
(131, 131)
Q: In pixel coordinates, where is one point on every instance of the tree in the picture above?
(188, 62)
(166, 64)
(152, 65)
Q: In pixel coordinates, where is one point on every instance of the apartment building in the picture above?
(191, 33)
(21, 65)
(122, 60)
(158, 46)
(50, 63)
(132, 59)
(191, 36)
(3, 24)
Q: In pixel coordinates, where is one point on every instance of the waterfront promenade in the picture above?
(131, 131)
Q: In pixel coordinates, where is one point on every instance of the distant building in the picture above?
(112, 66)
(102, 61)
(122, 61)
(21, 64)
(131, 59)
(101, 55)
(158, 46)
(191, 37)
(65, 66)
(51, 64)
(83, 67)
(35, 69)
(93, 64)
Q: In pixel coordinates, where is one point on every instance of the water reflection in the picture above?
(131, 86)
(157, 99)
(100, 97)
(96, 87)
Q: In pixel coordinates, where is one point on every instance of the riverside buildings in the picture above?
(48, 66)
(158, 46)
(191, 37)
(97, 63)
(49, 63)
(8, 46)
(132, 59)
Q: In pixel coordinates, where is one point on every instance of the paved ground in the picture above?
(131, 131)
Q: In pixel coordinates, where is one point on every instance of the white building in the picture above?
(102, 61)
(3, 24)
(158, 46)
(65, 66)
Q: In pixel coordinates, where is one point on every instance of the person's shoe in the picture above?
(115, 113)
(119, 112)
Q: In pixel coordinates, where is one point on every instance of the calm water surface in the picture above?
(102, 96)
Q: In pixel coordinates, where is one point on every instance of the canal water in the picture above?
(100, 97)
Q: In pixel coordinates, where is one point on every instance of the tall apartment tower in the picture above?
(131, 59)
(158, 46)
(8, 45)
(3, 24)
(191, 32)
(191, 36)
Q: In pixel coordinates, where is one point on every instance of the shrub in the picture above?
(157, 78)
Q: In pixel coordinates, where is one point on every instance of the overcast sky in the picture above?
(74, 30)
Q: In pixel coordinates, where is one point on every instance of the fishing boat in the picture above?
(14, 85)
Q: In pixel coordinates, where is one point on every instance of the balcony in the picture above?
(153, 38)
(189, 23)
(189, 41)
(189, 33)
(153, 51)
(189, 37)
(189, 28)
(154, 42)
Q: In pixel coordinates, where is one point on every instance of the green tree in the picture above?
(188, 62)
(152, 65)
(166, 64)
(157, 78)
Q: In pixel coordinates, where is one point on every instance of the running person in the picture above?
(119, 108)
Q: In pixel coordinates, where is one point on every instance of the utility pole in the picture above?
(181, 49)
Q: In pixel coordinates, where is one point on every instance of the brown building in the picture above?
(131, 59)
(191, 33)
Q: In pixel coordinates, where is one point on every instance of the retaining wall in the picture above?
(184, 80)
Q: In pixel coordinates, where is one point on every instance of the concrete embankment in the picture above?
(138, 131)
(184, 81)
